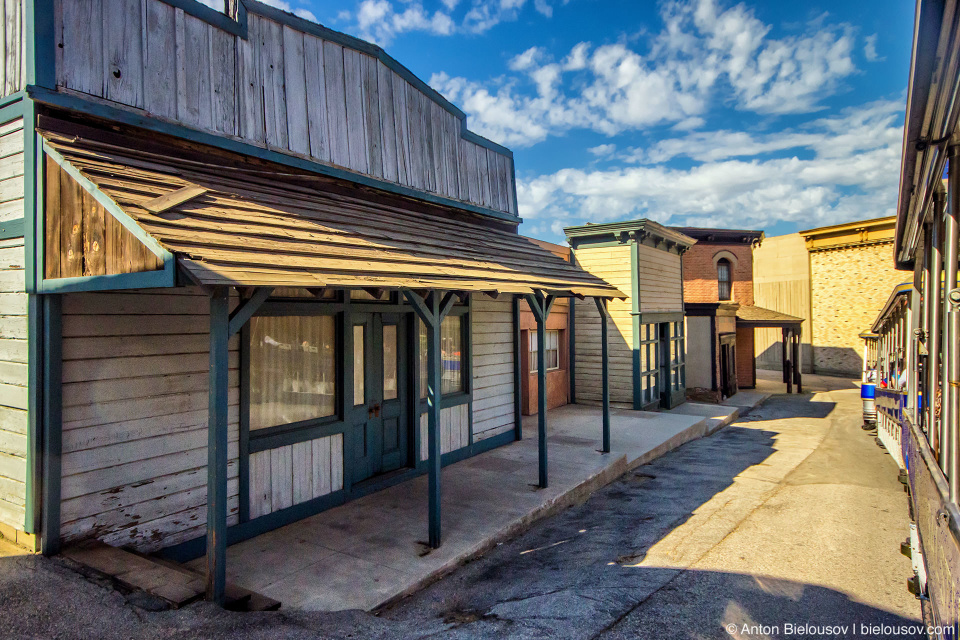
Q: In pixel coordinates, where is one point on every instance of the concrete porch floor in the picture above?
(368, 552)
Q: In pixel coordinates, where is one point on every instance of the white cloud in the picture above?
(845, 175)
(870, 49)
(603, 150)
(704, 53)
(379, 21)
(306, 14)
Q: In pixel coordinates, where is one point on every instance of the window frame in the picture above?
(724, 263)
(532, 352)
(453, 398)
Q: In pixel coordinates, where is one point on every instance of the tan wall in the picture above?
(849, 287)
(613, 265)
(661, 288)
(781, 281)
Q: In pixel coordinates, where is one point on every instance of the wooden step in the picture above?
(165, 579)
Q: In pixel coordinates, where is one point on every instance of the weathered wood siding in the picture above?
(491, 324)
(13, 334)
(295, 473)
(613, 265)
(84, 239)
(135, 385)
(661, 283)
(14, 70)
(280, 88)
(454, 430)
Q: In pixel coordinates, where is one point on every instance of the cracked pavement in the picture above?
(791, 515)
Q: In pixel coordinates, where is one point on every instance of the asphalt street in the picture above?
(785, 524)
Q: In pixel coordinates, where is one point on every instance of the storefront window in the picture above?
(292, 369)
(451, 348)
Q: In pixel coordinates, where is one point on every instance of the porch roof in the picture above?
(236, 221)
(753, 316)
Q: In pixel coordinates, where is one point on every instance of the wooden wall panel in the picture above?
(13, 383)
(135, 377)
(14, 45)
(454, 430)
(613, 265)
(491, 324)
(289, 475)
(279, 87)
(81, 238)
(661, 285)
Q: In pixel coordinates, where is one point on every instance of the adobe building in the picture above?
(837, 278)
(721, 316)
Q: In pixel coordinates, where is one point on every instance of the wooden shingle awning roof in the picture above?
(754, 316)
(239, 222)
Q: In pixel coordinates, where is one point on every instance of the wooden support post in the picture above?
(249, 307)
(796, 362)
(783, 352)
(540, 305)
(517, 374)
(788, 363)
(217, 446)
(52, 421)
(605, 367)
(430, 312)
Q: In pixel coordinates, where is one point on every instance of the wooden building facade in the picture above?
(647, 355)
(251, 268)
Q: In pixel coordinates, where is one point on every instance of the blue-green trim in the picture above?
(517, 373)
(34, 456)
(196, 547)
(52, 407)
(140, 280)
(41, 43)
(11, 229)
(244, 460)
(145, 121)
(247, 308)
(635, 311)
(12, 106)
(217, 444)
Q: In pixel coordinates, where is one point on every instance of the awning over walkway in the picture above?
(754, 316)
(235, 221)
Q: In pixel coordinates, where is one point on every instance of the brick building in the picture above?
(839, 277)
(720, 313)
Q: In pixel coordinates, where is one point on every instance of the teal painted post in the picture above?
(434, 380)
(542, 394)
(517, 374)
(605, 366)
(52, 424)
(217, 446)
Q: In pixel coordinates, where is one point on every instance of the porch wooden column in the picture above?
(783, 352)
(431, 312)
(605, 367)
(217, 446)
(540, 305)
(788, 363)
(797, 374)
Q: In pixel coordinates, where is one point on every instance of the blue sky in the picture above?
(767, 115)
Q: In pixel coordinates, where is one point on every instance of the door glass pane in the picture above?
(450, 344)
(389, 362)
(534, 353)
(359, 364)
(292, 369)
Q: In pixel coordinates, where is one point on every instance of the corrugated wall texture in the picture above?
(613, 265)
(135, 391)
(661, 288)
(491, 324)
(279, 88)
(13, 334)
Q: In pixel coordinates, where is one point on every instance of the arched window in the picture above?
(724, 278)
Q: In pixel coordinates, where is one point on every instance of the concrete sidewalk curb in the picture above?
(575, 495)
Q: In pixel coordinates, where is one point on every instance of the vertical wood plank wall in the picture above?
(491, 322)
(135, 381)
(295, 473)
(454, 430)
(279, 88)
(661, 285)
(14, 70)
(613, 265)
(13, 334)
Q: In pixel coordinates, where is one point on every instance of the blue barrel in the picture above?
(868, 393)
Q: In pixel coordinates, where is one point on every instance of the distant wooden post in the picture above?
(605, 364)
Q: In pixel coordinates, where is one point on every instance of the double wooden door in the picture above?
(379, 408)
